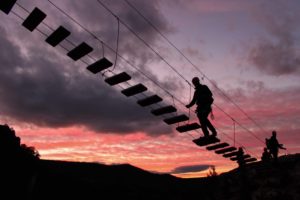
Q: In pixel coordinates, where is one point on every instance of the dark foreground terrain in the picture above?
(24, 176)
(68, 180)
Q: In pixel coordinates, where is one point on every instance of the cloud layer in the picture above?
(277, 54)
(37, 86)
(191, 168)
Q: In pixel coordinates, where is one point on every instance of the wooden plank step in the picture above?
(133, 90)
(176, 119)
(225, 150)
(149, 100)
(228, 155)
(58, 36)
(244, 156)
(203, 141)
(188, 127)
(118, 78)
(80, 51)
(217, 146)
(34, 19)
(163, 110)
(99, 65)
(7, 5)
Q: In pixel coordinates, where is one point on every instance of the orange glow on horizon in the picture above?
(160, 154)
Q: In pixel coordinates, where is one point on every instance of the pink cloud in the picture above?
(276, 53)
(159, 154)
(270, 108)
(165, 153)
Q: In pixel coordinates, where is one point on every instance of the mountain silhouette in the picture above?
(24, 176)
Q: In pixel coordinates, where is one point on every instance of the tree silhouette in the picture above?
(19, 165)
(30, 151)
(11, 147)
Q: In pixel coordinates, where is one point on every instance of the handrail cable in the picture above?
(197, 68)
(96, 37)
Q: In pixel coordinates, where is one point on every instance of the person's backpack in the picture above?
(268, 143)
(206, 96)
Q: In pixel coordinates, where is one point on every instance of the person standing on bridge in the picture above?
(203, 98)
(274, 146)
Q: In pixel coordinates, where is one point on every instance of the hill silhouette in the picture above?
(25, 176)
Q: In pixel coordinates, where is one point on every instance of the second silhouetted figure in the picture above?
(203, 98)
(274, 146)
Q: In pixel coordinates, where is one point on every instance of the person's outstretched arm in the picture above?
(281, 146)
(193, 101)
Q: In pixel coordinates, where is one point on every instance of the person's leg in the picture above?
(202, 120)
(211, 127)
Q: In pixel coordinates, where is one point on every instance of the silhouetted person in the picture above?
(240, 157)
(274, 146)
(244, 185)
(266, 156)
(203, 99)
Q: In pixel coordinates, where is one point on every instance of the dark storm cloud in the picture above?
(105, 25)
(49, 91)
(191, 168)
(94, 16)
(277, 54)
(149, 9)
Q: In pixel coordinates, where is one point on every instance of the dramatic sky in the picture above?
(247, 52)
